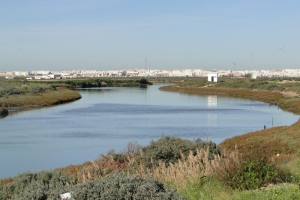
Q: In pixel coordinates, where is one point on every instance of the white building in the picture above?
(21, 73)
(212, 76)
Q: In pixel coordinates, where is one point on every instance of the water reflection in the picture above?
(212, 101)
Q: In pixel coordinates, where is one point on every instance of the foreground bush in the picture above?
(36, 186)
(254, 174)
(117, 186)
(248, 172)
(168, 150)
(178, 175)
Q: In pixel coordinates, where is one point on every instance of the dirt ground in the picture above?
(289, 93)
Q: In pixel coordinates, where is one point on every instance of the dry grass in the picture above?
(6, 180)
(229, 161)
(48, 98)
(283, 140)
(177, 175)
(100, 168)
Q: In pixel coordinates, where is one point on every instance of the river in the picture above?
(109, 118)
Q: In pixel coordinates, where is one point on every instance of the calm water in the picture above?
(109, 118)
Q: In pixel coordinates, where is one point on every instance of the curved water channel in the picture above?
(109, 118)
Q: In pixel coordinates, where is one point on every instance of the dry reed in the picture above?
(179, 174)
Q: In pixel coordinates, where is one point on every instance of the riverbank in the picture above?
(286, 100)
(19, 94)
(15, 103)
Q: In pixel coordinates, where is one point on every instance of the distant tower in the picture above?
(234, 64)
(146, 60)
(282, 51)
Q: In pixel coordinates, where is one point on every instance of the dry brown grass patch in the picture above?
(48, 98)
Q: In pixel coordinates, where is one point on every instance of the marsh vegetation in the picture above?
(258, 165)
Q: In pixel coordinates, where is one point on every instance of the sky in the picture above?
(157, 34)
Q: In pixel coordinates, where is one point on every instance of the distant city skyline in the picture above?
(123, 34)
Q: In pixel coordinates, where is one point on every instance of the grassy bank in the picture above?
(20, 94)
(47, 98)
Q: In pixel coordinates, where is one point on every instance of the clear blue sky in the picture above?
(172, 34)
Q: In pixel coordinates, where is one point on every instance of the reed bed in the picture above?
(177, 175)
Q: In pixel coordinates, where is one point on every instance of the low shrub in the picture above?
(119, 186)
(254, 174)
(36, 90)
(10, 91)
(168, 150)
(36, 185)
(248, 172)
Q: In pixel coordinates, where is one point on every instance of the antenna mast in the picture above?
(234, 64)
(282, 51)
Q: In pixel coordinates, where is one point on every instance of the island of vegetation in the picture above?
(258, 165)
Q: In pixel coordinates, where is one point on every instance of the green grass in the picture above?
(210, 188)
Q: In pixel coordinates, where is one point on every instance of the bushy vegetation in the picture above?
(119, 186)
(108, 82)
(19, 94)
(251, 174)
(49, 185)
(169, 149)
(35, 89)
(42, 185)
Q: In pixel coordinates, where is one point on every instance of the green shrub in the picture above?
(121, 187)
(36, 185)
(144, 81)
(168, 149)
(117, 186)
(36, 90)
(253, 174)
(10, 91)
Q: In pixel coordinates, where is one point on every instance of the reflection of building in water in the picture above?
(212, 101)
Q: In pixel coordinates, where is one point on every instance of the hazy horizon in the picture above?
(123, 34)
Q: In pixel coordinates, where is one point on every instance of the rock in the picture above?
(3, 112)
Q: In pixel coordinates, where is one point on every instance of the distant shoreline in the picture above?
(280, 98)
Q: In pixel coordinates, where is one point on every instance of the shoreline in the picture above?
(286, 100)
(19, 103)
